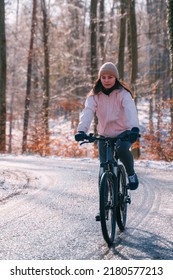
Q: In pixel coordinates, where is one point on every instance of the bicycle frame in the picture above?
(113, 191)
(111, 163)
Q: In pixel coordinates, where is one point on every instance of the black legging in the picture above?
(124, 154)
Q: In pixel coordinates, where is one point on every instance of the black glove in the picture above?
(133, 134)
(80, 136)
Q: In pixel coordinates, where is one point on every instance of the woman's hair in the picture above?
(118, 85)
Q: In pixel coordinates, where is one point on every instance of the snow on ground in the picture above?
(13, 182)
(9, 181)
(141, 163)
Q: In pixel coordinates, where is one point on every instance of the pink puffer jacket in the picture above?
(116, 113)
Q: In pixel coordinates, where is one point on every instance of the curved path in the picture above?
(47, 210)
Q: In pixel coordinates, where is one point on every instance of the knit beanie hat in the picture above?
(108, 68)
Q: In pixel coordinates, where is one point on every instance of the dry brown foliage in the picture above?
(158, 145)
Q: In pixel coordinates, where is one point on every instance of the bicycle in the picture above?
(114, 193)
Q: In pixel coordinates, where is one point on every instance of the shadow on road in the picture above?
(142, 245)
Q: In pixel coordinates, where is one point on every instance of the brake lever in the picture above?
(83, 142)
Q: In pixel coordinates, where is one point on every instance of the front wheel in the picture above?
(123, 198)
(108, 199)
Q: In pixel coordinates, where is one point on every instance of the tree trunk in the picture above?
(133, 41)
(93, 40)
(133, 51)
(170, 30)
(109, 43)
(101, 31)
(152, 95)
(29, 73)
(13, 83)
(2, 78)
(122, 36)
(46, 95)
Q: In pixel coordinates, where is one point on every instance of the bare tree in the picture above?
(101, 30)
(151, 100)
(122, 37)
(46, 94)
(133, 56)
(13, 82)
(159, 62)
(170, 30)
(2, 78)
(133, 51)
(93, 38)
(29, 73)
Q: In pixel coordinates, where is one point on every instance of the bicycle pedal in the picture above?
(128, 199)
(97, 218)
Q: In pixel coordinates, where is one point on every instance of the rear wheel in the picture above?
(108, 198)
(123, 198)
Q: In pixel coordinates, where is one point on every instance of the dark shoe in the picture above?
(133, 182)
(97, 217)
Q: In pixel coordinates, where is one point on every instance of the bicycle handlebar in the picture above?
(90, 138)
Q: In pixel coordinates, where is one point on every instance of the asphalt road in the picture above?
(48, 207)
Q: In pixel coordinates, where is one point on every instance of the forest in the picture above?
(50, 54)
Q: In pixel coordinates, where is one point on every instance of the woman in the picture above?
(114, 106)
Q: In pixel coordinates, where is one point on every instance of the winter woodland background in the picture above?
(50, 55)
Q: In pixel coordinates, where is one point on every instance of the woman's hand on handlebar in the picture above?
(80, 136)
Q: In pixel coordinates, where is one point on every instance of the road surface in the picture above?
(48, 207)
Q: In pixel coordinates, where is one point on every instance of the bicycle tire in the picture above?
(122, 198)
(108, 199)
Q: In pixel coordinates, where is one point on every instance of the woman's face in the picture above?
(107, 80)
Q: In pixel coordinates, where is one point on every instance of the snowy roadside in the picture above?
(11, 183)
(14, 181)
(155, 164)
